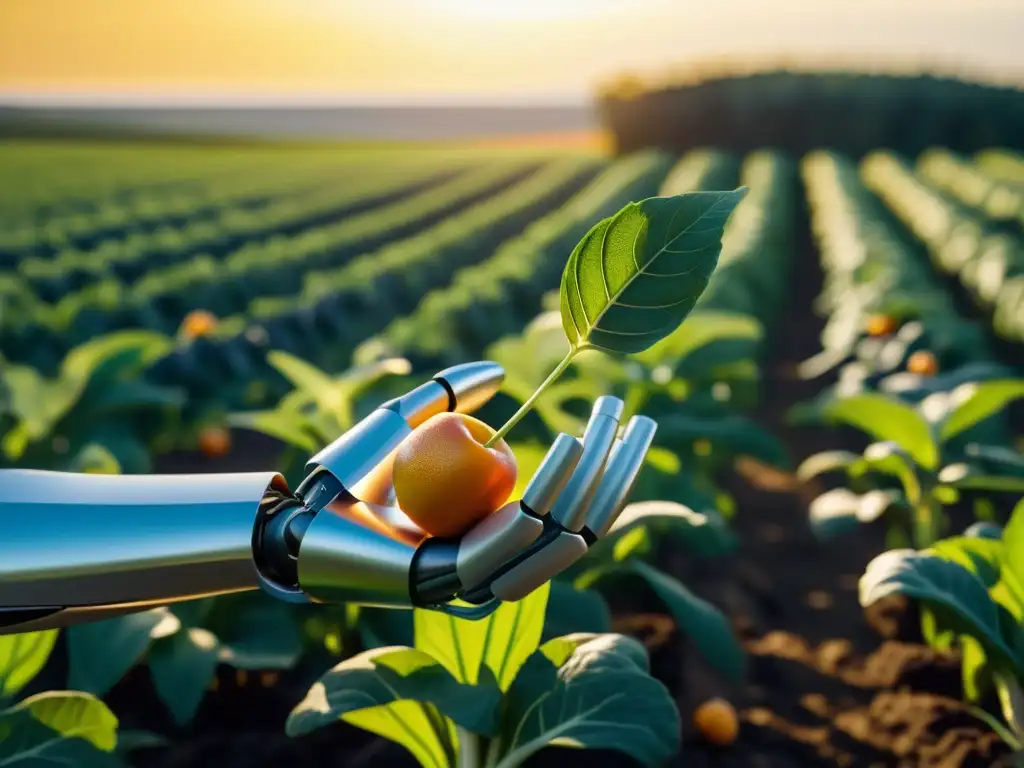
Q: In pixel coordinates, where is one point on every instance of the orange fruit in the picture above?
(214, 442)
(446, 480)
(198, 323)
(881, 325)
(717, 722)
(923, 363)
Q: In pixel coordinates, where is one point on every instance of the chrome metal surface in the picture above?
(421, 403)
(359, 451)
(343, 559)
(547, 563)
(95, 541)
(494, 541)
(552, 474)
(571, 508)
(624, 464)
(473, 384)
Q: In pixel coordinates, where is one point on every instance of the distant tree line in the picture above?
(798, 112)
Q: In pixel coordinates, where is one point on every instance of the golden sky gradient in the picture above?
(408, 48)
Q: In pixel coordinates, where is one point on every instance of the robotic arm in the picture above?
(81, 547)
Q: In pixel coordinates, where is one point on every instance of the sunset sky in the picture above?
(459, 49)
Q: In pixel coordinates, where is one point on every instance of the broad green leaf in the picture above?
(983, 530)
(886, 418)
(59, 728)
(889, 458)
(574, 610)
(279, 424)
(699, 533)
(429, 736)
(826, 461)
(39, 403)
(956, 596)
(634, 277)
(146, 346)
(1013, 560)
(837, 511)
(967, 478)
(182, 667)
(22, 656)
(353, 382)
(977, 402)
(702, 327)
(600, 697)
(306, 377)
(501, 642)
(705, 625)
(981, 556)
(385, 677)
(255, 632)
(101, 652)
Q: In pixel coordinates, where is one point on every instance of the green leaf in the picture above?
(145, 347)
(182, 667)
(634, 277)
(96, 460)
(886, 418)
(590, 692)
(705, 625)
(967, 478)
(701, 534)
(574, 610)
(826, 461)
(306, 377)
(837, 511)
(283, 425)
(59, 728)
(22, 656)
(978, 401)
(255, 631)
(958, 598)
(501, 642)
(402, 694)
(702, 327)
(101, 652)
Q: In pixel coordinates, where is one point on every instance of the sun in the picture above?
(527, 10)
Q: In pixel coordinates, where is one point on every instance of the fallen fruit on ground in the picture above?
(923, 363)
(446, 480)
(881, 325)
(717, 722)
(214, 442)
(197, 324)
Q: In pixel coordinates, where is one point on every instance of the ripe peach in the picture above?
(717, 722)
(923, 363)
(446, 480)
(881, 325)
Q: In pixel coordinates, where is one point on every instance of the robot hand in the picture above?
(79, 547)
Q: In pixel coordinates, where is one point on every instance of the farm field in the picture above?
(156, 300)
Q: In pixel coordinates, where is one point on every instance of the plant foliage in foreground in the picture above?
(489, 693)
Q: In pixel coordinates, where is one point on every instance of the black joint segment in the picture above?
(588, 536)
(10, 617)
(453, 400)
(433, 577)
(525, 507)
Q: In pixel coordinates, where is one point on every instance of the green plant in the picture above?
(971, 591)
(97, 409)
(490, 693)
(916, 448)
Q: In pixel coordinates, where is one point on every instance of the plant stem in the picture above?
(1011, 700)
(525, 408)
(469, 748)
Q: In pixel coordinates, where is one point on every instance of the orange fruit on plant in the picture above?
(214, 442)
(923, 363)
(717, 722)
(446, 480)
(197, 324)
(881, 325)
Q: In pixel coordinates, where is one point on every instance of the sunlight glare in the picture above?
(527, 10)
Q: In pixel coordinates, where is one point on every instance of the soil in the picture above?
(827, 685)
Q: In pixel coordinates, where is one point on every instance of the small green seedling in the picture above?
(915, 447)
(489, 693)
(971, 591)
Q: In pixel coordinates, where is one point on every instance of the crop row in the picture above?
(504, 292)
(273, 266)
(968, 182)
(330, 311)
(962, 243)
(143, 252)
